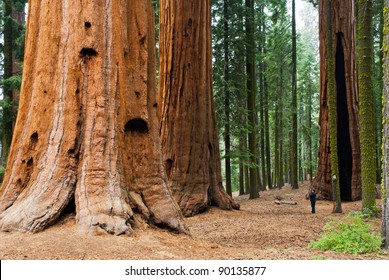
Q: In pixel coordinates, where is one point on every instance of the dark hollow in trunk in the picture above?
(349, 162)
(344, 144)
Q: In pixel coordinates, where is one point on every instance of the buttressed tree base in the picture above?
(87, 125)
(189, 137)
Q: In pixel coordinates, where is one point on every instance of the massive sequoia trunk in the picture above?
(188, 130)
(343, 34)
(87, 125)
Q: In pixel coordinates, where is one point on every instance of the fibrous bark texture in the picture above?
(87, 125)
(189, 136)
(366, 113)
(343, 34)
(385, 188)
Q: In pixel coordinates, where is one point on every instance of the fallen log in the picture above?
(279, 202)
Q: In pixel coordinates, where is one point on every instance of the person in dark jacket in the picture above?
(312, 198)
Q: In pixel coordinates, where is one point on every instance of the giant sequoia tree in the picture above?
(87, 125)
(189, 136)
(344, 80)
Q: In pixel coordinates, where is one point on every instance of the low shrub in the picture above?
(353, 236)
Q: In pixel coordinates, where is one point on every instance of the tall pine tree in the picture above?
(251, 91)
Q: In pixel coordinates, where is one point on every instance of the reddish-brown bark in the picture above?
(188, 128)
(87, 125)
(343, 24)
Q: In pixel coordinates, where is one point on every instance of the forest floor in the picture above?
(260, 230)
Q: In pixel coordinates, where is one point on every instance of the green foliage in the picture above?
(19, 43)
(273, 60)
(308, 100)
(7, 105)
(353, 236)
(233, 84)
(14, 82)
(371, 212)
(12, 28)
(314, 2)
(2, 172)
(320, 258)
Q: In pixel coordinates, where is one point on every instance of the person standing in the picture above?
(312, 198)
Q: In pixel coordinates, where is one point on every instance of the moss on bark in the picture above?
(366, 114)
(385, 140)
(332, 106)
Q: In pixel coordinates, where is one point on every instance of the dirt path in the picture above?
(260, 230)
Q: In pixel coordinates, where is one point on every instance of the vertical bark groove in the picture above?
(343, 22)
(186, 107)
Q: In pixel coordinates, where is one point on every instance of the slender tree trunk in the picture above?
(241, 179)
(241, 167)
(245, 166)
(333, 119)
(277, 143)
(385, 100)
(247, 169)
(261, 97)
(302, 151)
(278, 139)
(251, 84)
(267, 133)
(189, 137)
(281, 129)
(87, 125)
(259, 182)
(365, 90)
(378, 100)
(294, 178)
(263, 158)
(262, 140)
(309, 125)
(227, 138)
(239, 85)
